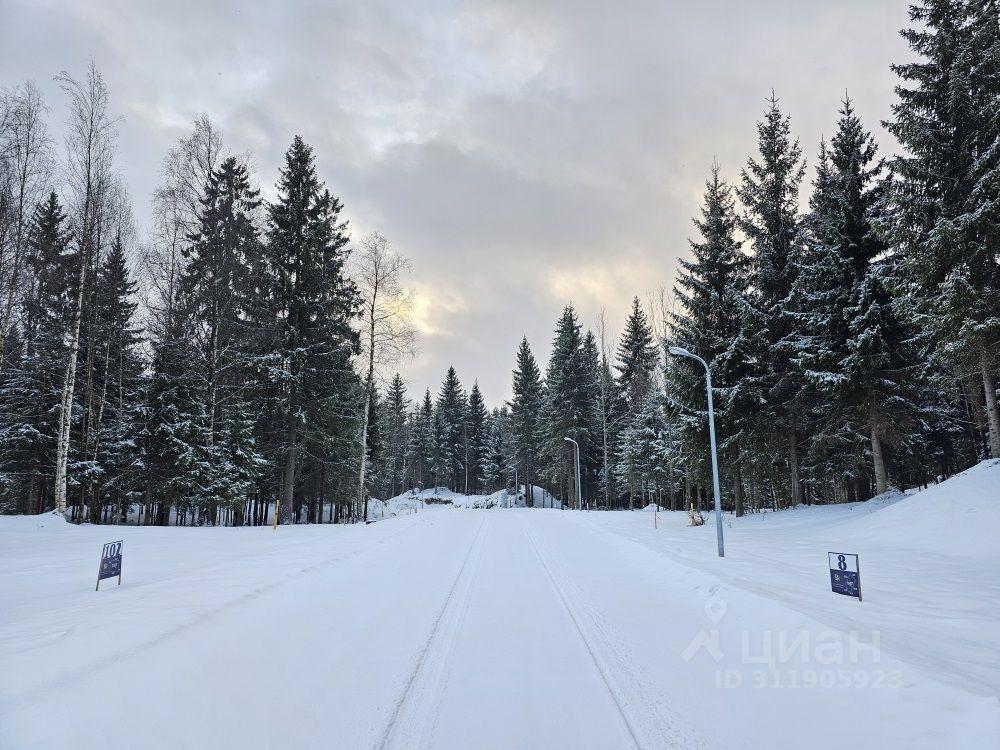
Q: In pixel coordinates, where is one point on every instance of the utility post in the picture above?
(678, 351)
(579, 489)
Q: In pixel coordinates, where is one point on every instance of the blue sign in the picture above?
(845, 574)
(111, 563)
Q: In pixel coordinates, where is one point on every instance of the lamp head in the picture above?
(679, 351)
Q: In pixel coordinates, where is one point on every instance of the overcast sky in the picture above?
(524, 155)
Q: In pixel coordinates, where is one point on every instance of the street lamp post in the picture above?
(579, 489)
(678, 351)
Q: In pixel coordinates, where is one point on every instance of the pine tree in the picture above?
(420, 449)
(476, 435)
(449, 416)
(844, 311)
(712, 293)
(525, 413)
(121, 387)
(769, 193)
(641, 451)
(236, 465)
(375, 447)
(309, 304)
(394, 427)
(943, 220)
(637, 359)
(569, 403)
(496, 459)
(592, 455)
(31, 391)
(180, 469)
(216, 285)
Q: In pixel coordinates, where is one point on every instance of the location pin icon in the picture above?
(715, 609)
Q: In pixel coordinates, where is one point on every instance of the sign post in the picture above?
(111, 563)
(845, 573)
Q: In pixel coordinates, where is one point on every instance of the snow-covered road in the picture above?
(446, 629)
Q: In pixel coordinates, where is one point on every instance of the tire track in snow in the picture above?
(622, 674)
(601, 670)
(414, 715)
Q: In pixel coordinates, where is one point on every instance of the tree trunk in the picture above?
(738, 489)
(793, 462)
(881, 476)
(288, 488)
(69, 383)
(992, 412)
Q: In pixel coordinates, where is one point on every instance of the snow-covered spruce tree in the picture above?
(609, 406)
(449, 418)
(310, 304)
(711, 291)
(215, 281)
(396, 431)
(526, 414)
(420, 448)
(769, 192)
(375, 447)
(236, 465)
(855, 350)
(120, 385)
(496, 460)
(179, 469)
(216, 288)
(943, 195)
(881, 369)
(476, 436)
(592, 455)
(569, 406)
(641, 457)
(637, 359)
(31, 391)
(638, 356)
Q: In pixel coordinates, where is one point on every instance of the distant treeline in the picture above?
(227, 363)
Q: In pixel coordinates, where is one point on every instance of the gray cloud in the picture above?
(524, 154)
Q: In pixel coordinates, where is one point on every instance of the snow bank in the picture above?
(960, 516)
(413, 500)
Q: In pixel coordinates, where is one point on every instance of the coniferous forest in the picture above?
(227, 364)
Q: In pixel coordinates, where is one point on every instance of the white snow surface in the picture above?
(456, 627)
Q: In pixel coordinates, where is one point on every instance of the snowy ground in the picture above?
(512, 628)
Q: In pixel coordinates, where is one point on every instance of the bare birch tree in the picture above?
(25, 171)
(90, 147)
(389, 334)
(184, 175)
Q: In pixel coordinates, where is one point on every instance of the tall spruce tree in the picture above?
(525, 414)
(945, 120)
(310, 305)
(420, 449)
(569, 404)
(769, 192)
(31, 391)
(476, 435)
(854, 349)
(449, 415)
(394, 428)
(216, 281)
(712, 293)
(121, 384)
(638, 356)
